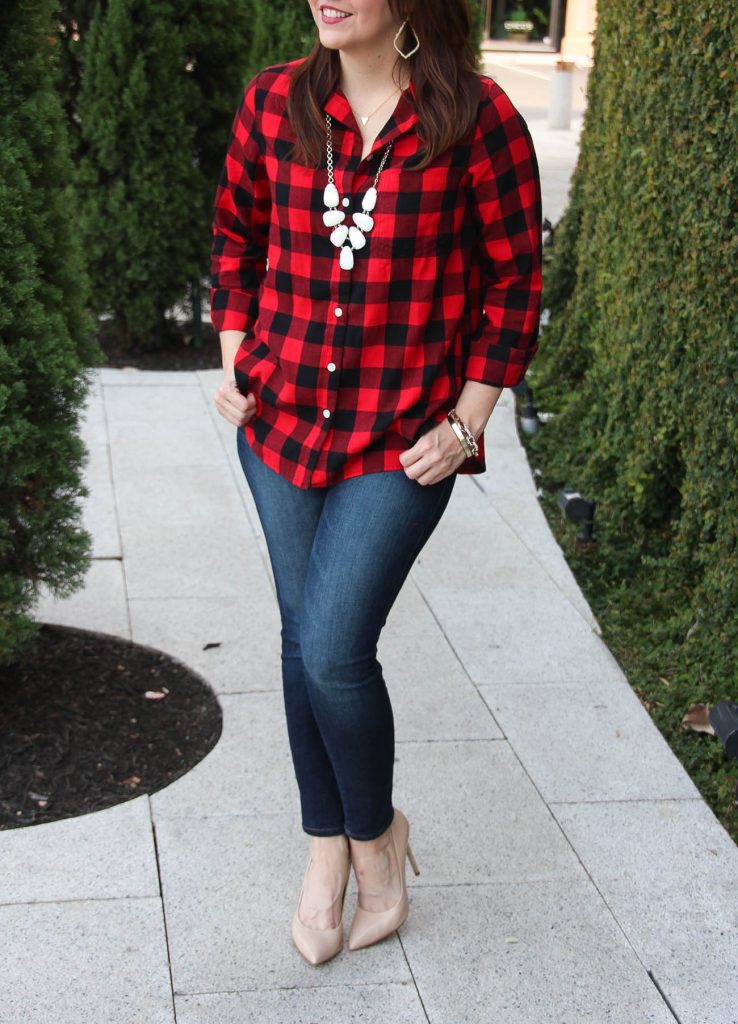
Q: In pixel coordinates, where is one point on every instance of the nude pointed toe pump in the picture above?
(370, 926)
(318, 944)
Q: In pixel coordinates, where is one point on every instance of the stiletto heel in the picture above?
(370, 926)
(412, 860)
(318, 944)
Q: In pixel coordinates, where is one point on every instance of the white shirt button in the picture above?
(338, 311)
(346, 201)
(326, 413)
(331, 367)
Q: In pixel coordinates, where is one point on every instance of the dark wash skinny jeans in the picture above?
(340, 555)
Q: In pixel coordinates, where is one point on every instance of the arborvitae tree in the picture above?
(45, 334)
(72, 22)
(216, 36)
(141, 202)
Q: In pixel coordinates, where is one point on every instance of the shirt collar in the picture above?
(402, 119)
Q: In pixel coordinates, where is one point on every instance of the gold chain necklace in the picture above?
(365, 119)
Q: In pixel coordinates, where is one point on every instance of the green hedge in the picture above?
(639, 361)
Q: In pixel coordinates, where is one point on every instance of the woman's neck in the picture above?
(364, 80)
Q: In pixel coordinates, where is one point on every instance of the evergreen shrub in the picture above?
(137, 181)
(45, 332)
(171, 110)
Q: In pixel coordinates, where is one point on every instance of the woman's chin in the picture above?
(331, 41)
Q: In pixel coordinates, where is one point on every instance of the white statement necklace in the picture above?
(333, 217)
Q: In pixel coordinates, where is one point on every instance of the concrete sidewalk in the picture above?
(569, 869)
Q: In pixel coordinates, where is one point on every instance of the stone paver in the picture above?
(106, 855)
(526, 954)
(329, 1004)
(85, 961)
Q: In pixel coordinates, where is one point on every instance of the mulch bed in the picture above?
(90, 720)
(78, 731)
(176, 351)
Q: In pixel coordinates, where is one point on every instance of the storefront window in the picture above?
(537, 23)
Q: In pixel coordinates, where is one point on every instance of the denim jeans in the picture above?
(340, 555)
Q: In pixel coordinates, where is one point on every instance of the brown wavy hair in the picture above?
(444, 72)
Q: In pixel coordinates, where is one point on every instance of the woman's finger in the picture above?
(433, 465)
(241, 413)
(418, 451)
(425, 469)
(233, 406)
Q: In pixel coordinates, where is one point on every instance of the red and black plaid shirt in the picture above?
(350, 367)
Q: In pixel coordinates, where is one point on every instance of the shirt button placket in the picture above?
(337, 312)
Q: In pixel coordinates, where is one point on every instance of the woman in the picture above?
(375, 284)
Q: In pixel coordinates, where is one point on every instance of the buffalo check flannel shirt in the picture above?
(350, 367)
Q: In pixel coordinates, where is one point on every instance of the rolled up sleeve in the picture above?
(241, 223)
(504, 194)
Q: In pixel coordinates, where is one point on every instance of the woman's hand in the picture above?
(231, 404)
(435, 455)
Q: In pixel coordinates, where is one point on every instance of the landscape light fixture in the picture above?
(578, 510)
(724, 720)
(529, 415)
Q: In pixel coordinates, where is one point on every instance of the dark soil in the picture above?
(90, 720)
(176, 350)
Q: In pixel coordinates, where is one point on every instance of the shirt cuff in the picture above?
(497, 365)
(232, 310)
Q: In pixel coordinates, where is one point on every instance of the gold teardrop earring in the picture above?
(417, 41)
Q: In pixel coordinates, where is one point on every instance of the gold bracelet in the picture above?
(471, 447)
(471, 440)
(462, 440)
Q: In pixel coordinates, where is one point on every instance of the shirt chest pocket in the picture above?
(414, 216)
(409, 247)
